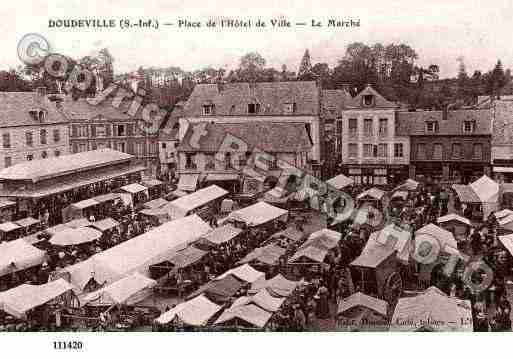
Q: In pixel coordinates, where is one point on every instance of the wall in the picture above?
(390, 139)
(466, 142)
(19, 149)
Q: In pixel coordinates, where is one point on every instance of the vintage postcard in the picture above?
(267, 167)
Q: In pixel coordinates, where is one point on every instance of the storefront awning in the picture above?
(188, 181)
(503, 169)
(213, 177)
(134, 188)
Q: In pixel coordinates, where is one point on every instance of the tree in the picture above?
(497, 80)
(305, 68)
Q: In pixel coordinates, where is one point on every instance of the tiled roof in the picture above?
(333, 102)
(266, 136)
(414, 123)
(15, 107)
(233, 98)
(80, 109)
(56, 166)
(170, 130)
(379, 100)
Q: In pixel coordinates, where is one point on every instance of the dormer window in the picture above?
(38, 115)
(469, 126)
(432, 126)
(368, 100)
(289, 108)
(208, 109)
(253, 108)
(42, 116)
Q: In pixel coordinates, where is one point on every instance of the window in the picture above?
(82, 147)
(432, 126)
(82, 131)
(6, 139)
(367, 127)
(339, 127)
(101, 131)
(477, 151)
(398, 150)
(56, 135)
(120, 130)
(355, 175)
(437, 151)
(139, 149)
(121, 146)
(456, 150)
(353, 127)
(227, 160)
(469, 126)
(44, 154)
(42, 135)
(289, 108)
(42, 116)
(210, 162)
(253, 108)
(29, 138)
(208, 109)
(380, 176)
(190, 162)
(7, 162)
(163, 145)
(421, 151)
(353, 150)
(368, 100)
(56, 153)
(367, 150)
(383, 150)
(383, 126)
(30, 157)
(273, 161)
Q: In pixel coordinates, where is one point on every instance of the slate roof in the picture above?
(266, 136)
(170, 130)
(15, 107)
(80, 110)
(333, 103)
(379, 100)
(233, 98)
(414, 123)
(58, 166)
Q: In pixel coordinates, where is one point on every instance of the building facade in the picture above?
(168, 143)
(502, 138)
(372, 153)
(448, 146)
(30, 128)
(281, 102)
(104, 126)
(206, 156)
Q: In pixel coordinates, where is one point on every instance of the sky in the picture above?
(440, 31)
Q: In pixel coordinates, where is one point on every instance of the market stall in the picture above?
(7, 209)
(206, 197)
(247, 316)
(220, 235)
(432, 310)
(277, 286)
(154, 186)
(258, 214)
(18, 255)
(220, 290)
(105, 224)
(29, 225)
(82, 209)
(340, 182)
(481, 197)
(21, 300)
(10, 231)
(77, 223)
(155, 203)
(373, 196)
(245, 273)
(134, 194)
(262, 299)
(458, 225)
(361, 312)
(196, 312)
(265, 256)
(130, 290)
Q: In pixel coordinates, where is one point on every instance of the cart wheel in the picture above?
(393, 288)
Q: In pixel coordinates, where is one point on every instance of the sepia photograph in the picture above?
(172, 167)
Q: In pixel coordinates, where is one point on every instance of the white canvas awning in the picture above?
(486, 189)
(134, 188)
(250, 313)
(196, 312)
(77, 223)
(129, 290)
(188, 182)
(27, 222)
(156, 203)
(105, 224)
(245, 273)
(373, 193)
(19, 255)
(18, 301)
(184, 205)
(422, 311)
(262, 299)
(444, 237)
(86, 203)
(340, 181)
(454, 217)
(8, 227)
(258, 213)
